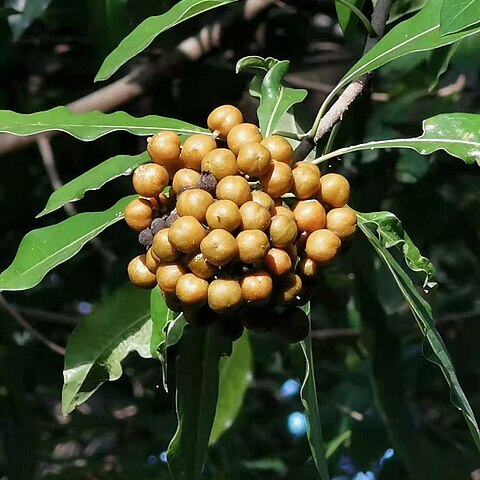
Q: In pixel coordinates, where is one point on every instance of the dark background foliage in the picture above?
(378, 393)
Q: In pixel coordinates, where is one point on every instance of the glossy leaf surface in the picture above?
(376, 227)
(89, 126)
(94, 179)
(458, 14)
(96, 348)
(43, 249)
(143, 35)
(236, 374)
(456, 133)
(197, 377)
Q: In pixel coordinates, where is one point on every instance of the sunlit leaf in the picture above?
(89, 126)
(197, 377)
(458, 14)
(391, 234)
(235, 377)
(373, 226)
(149, 29)
(119, 325)
(275, 98)
(94, 179)
(42, 250)
(417, 34)
(456, 133)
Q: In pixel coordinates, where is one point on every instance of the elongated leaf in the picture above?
(308, 395)
(438, 63)
(267, 85)
(422, 312)
(149, 29)
(235, 377)
(197, 377)
(276, 98)
(346, 17)
(172, 332)
(42, 250)
(254, 62)
(94, 179)
(417, 34)
(89, 126)
(160, 316)
(391, 234)
(458, 14)
(456, 133)
(119, 325)
(32, 9)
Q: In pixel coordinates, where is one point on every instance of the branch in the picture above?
(334, 334)
(352, 92)
(47, 316)
(139, 80)
(48, 160)
(34, 332)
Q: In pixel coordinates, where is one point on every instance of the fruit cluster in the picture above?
(235, 225)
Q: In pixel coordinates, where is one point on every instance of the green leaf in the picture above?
(346, 16)
(275, 98)
(119, 325)
(94, 179)
(43, 249)
(197, 379)
(31, 11)
(417, 34)
(458, 14)
(89, 126)
(142, 36)
(159, 313)
(391, 234)
(173, 332)
(438, 63)
(456, 133)
(254, 62)
(235, 377)
(373, 227)
(308, 395)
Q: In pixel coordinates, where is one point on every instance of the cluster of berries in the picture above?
(236, 225)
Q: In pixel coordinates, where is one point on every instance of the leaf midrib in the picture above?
(78, 240)
(400, 45)
(451, 20)
(108, 347)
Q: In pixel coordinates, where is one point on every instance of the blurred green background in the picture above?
(385, 408)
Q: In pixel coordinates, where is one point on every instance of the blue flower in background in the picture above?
(84, 308)
(346, 465)
(296, 424)
(364, 476)
(163, 457)
(290, 388)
